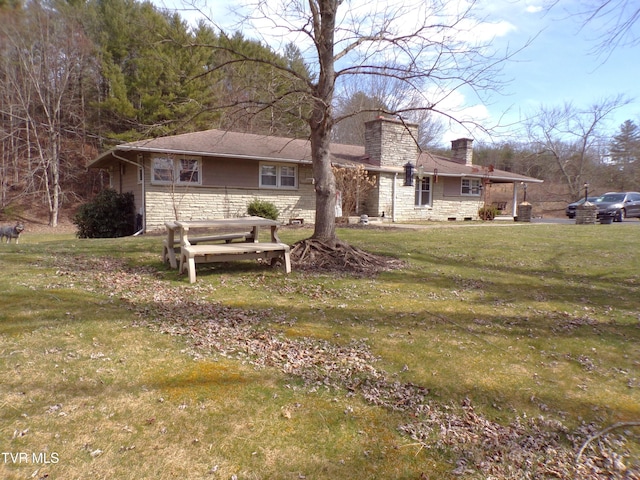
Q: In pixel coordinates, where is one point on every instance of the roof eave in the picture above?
(130, 148)
(500, 178)
(110, 154)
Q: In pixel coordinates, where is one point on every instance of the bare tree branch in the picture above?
(430, 48)
(572, 137)
(604, 432)
(615, 21)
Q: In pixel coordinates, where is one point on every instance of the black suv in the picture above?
(619, 205)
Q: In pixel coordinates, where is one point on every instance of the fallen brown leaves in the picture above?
(527, 448)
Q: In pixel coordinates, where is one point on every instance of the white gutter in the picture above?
(393, 198)
(210, 154)
(144, 205)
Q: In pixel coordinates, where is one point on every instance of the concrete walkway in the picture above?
(377, 223)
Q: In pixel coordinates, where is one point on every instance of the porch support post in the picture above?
(515, 200)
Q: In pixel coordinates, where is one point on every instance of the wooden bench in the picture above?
(226, 252)
(169, 258)
(500, 206)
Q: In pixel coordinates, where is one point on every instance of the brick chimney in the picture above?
(462, 151)
(390, 143)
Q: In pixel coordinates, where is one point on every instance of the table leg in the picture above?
(255, 231)
(274, 234)
(170, 248)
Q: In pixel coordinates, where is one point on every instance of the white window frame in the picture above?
(174, 164)
(473, 187)
(419, 192)
(197, 170)
(281, 170)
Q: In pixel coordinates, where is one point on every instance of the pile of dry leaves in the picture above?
(528, 448)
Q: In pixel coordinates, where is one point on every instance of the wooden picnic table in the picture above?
(208, 248)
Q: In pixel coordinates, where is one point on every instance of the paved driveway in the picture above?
(569, 221)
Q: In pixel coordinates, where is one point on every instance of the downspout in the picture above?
(144, 207)
(393, 197)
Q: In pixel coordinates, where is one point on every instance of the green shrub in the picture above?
(262, 208)
(488, 212)
(109, 215)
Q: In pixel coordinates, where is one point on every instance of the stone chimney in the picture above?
(462, 151)
(390, 143)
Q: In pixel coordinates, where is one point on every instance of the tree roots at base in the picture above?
(314, 255)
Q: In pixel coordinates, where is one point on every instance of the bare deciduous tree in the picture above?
(355, 109)
(432, 48)
(572, 138)
(43, 73)
(354, 185)
(364, 99)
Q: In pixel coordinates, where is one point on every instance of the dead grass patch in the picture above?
(463, 365)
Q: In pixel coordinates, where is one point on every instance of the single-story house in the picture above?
(216, 174)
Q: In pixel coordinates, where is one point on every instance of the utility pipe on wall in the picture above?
(393, 197)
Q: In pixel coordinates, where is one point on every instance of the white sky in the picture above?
(556, 68)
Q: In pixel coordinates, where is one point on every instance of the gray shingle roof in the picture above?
(219, 143)
(234, 144)
(445, 167)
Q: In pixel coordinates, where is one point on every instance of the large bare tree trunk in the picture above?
(412, 44)
(321, 122)
(325, 185)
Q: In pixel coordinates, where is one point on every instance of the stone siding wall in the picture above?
(165, 203)
(203, 202)
(442, 208)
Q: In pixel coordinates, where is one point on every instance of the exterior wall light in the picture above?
(408, 174)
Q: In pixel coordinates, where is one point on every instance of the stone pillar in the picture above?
(586, 214)
(524, 212)
(390, 143)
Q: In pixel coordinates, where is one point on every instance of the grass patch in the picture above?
(115, 367)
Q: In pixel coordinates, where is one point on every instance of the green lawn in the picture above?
(495, 353)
